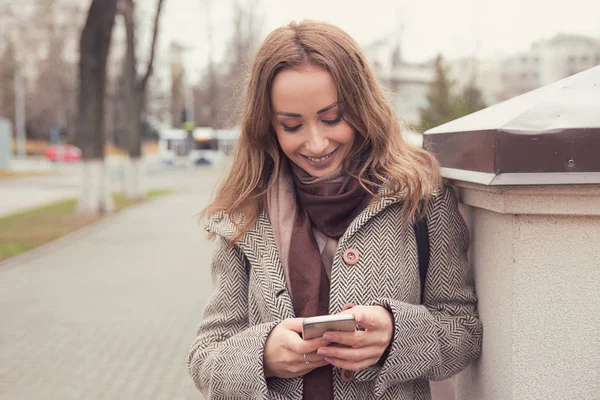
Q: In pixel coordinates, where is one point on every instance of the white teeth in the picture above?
(319, 159)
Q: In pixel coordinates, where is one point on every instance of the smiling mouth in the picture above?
(320, 159)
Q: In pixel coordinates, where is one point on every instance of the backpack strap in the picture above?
(422, 235)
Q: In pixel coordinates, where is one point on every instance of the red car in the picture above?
(63, 152)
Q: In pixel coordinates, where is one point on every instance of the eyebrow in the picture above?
(295, 115)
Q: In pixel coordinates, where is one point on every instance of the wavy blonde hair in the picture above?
(389, 161)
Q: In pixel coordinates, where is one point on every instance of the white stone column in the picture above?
(535, 252)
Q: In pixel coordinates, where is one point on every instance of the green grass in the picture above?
(9, 173)
(27, 230)
(158, 192)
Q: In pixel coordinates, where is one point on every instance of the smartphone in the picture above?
(314, 327)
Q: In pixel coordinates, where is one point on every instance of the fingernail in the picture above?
(328, 338)
(325, 342)
(322, 352)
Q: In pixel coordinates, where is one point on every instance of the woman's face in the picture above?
(307, 119)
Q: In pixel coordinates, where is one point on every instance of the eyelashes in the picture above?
(329, 122)
(332, 122)
(290, 128)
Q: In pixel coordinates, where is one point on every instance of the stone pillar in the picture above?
(535, 252)
(527, 173)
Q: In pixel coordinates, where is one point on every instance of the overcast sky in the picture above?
(455, 28)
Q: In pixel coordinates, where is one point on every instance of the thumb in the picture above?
(293, 324)
(368, 317)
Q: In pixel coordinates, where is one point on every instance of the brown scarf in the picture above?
(328, 205)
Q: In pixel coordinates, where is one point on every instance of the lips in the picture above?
(322, 161)
(319, 159)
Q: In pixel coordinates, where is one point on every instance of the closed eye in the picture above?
(333, 121)
(291, 128)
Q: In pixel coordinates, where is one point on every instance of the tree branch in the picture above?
(144, 80)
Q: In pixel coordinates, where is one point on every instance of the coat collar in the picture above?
(258, 244)
(254, 239)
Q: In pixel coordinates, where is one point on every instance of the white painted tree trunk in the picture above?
(95, 197)
(133, 173)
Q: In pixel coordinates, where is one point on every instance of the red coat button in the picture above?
(351, 256)
(347, 376)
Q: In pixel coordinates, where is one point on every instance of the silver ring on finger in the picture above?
(306, 360)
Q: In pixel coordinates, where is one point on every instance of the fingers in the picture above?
(284, 351)
(297, 366)
(313, 365)
(315, 361)
(295, 343)
(305, 346)
(370, 317)
(313, 358)
(293, 324)
(358, 338)
(354, 355)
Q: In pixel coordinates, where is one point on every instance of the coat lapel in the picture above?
(258, 245)
(369, 212)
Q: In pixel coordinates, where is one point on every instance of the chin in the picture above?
(319, 173)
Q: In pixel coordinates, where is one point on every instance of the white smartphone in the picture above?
(314, 327)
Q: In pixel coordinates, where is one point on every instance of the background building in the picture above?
(545, 62)
(407, 83)
(499, 79)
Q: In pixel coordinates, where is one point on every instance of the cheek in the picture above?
(347, 134)
(288, 143)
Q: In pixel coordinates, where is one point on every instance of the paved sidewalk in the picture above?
(112, 314)
(64, 181)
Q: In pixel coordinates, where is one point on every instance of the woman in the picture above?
(315, 216)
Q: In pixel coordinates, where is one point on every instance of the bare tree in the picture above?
(136, 95)
(94, 46)
(45, 38)
(221, 88)
(8, 67)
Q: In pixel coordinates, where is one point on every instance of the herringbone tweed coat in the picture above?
(431, 341)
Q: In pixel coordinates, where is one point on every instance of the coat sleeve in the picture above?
(226, 359)
(441, 337)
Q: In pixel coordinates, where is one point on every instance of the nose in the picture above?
(316, 143)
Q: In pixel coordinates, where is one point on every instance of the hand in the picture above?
(363, 348)
(285, 350)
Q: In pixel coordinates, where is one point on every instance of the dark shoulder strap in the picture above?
(422, 236)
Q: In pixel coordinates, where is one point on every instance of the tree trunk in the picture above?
(136, 101)
(94, 46)
(131, 167)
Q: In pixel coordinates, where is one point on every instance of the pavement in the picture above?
(110, 311)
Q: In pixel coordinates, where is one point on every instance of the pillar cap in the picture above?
(550, 135)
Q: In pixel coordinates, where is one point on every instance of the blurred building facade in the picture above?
(548, 61)
(545, 62)
(499, 79)
(407, 83)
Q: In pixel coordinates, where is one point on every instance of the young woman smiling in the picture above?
(316, 217)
